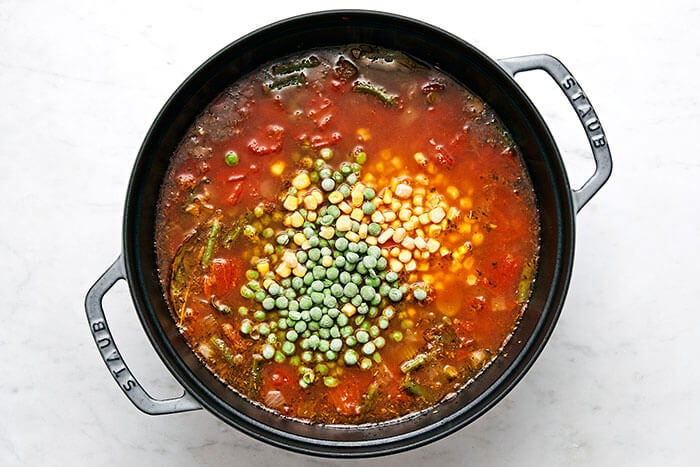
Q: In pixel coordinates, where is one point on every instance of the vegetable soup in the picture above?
(347, 236)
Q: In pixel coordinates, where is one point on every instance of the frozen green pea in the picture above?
(268, 303)
(326, 321)
(317, 297)
(370, 262)
(332, 273)
(337, 289)
(268, 351)
(326, 153)
(383, 322)
(288, 348)
(368, 348)
(292, 335)
(350, 357)
(367, 292)
(300, 327)
(352, 257)
(281, 302)
(368, 208)
(331, 355)
(350, 290)
(305, 302)
(366, 363)
(231, 158)
(356, 300)
(342, 320)
(374, 229)
(420, 294)
(246, 326)
(395, 295)
(260, 295)
(362, 336)
(260, 315)
(315, 313)
(333, 211)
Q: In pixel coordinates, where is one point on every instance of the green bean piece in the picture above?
(291, 67)
(414, 363)
(211, 242)
(224, 350)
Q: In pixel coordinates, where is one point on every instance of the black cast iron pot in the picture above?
(493, 81)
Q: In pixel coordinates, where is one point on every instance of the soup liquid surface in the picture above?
(347, 236)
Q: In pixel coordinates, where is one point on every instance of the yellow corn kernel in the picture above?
(311, 216)
(277, 168)
(454, 267)
(404, 256)
(377, 217)
(396, 224)
(335, 197)
(434, 230)
(437, 215)
(291, 203)
(395, 265)
(296, 219)
(444, 251)
(465, 228)
(420, 243)
(422, 179)
(385, 235)
(396, 162)
(477, 238)
(453, 213)
(399, 234)
(327, 261)
(301, 181)
(352, 236)
(263, 267)
(424, 218)
(452, 192)
(394, 251)
(418, 210)
(433, 245)
(371, 240)
(411, 266)
(283, 270)
(348, 309)
(356, 197)
(468, 263)
(388, 197)
(395, 205)
(420, 158)
(405, 214)
(389, 216)
(408, 243)
(363, 134)
(466, 203)
(364, 228)
(471, 279)
(418, 200)
(423, 266)
(327, 232)
(357, 214)
(310, 202)
(344, 223)
(299, 270)
(299, 238)
(345, 207)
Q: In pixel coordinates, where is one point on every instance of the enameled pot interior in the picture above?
(425, 44)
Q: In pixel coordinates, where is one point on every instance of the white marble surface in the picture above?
(80, 83)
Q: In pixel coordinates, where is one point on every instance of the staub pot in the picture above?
(491, 79)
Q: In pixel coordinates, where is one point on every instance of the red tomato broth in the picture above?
(475, 297)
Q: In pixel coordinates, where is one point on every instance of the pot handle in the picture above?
(113, 359)
(586, 114)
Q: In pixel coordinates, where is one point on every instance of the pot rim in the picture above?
(137, 273)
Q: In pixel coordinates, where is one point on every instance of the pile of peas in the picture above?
(331, 293)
